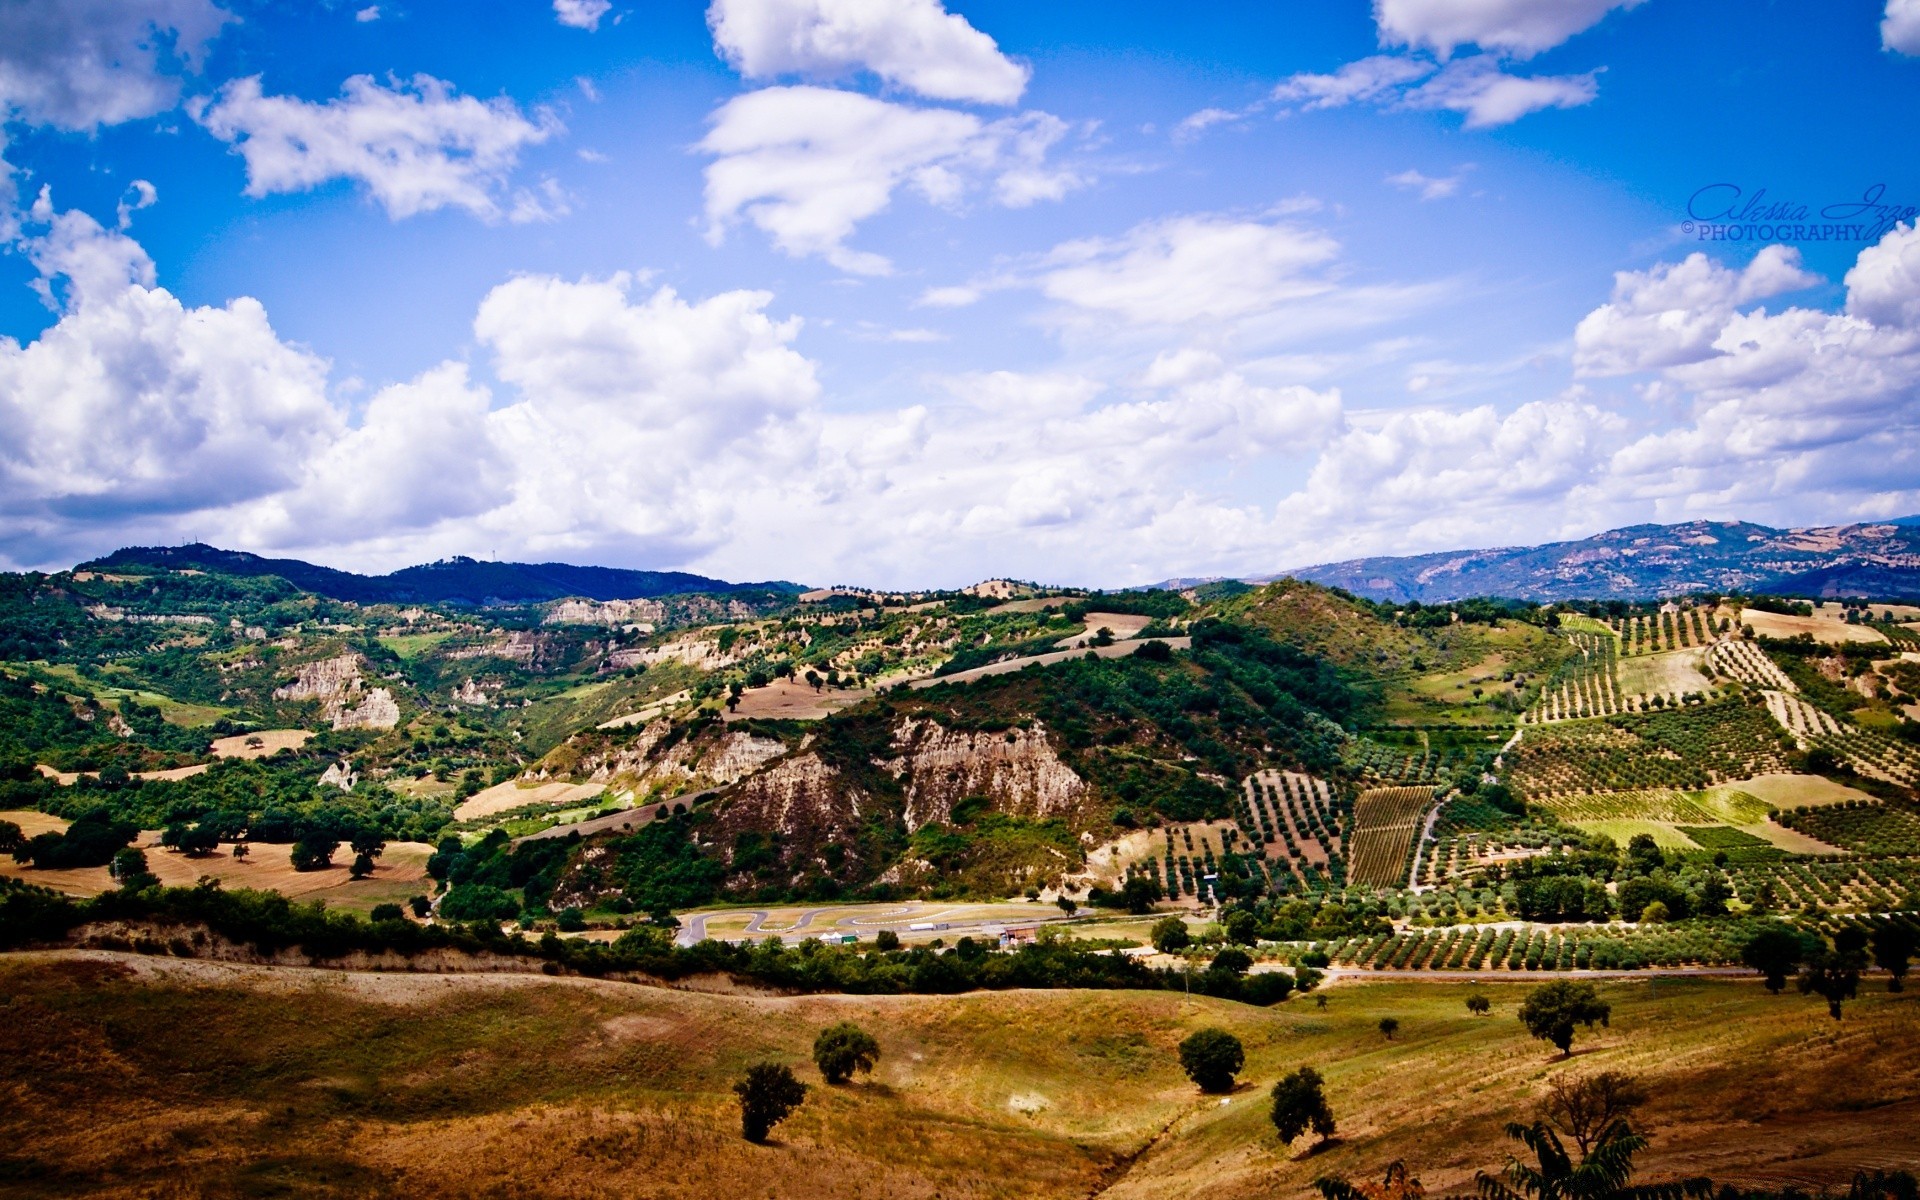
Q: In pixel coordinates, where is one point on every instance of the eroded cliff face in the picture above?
(652, 762)
(803, 806)
(1016, 769)
(344, 699)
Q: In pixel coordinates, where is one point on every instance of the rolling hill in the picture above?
(1880, 560)
(457, 580)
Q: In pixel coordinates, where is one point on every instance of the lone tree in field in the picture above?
(1211, 1058)
(1300, 1104)
(1479, 1005)
(768, 1095)
(1601, 1174)
(1774, 952)
(314, 852)
(1833, 975)
(842, 1049)
(1170, 935)
(1893, 946)
(1586, 1106)
(1552, 1011)
(1389, 1026)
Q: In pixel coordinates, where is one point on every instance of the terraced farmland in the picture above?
(1798, 717)
(1385, 822)
(1585, 685)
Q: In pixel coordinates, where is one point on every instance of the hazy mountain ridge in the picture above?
(456, 580)
(1880, 559)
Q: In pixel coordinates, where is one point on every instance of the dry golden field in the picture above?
(132, 1076)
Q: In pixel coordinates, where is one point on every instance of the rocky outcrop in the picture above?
(337, 684)
(523, 646)
(472, 693)
(325, 679)
(652, 761)
(378, 711)
(340, 775)
(606, 612)
(694, 652)
(1016, 769)
(805, 806)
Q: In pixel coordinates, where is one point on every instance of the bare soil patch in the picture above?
(793, 700)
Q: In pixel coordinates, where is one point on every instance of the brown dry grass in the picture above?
(158, 1078)
(271, 742)
(504, 797)
(793, 700)
(399, 872)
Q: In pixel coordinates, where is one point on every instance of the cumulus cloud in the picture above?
(581, 14)
(1900, 27)
(1884, 284)
(913, 44)
(415, 145)
(1674, 313)
(1435, 477)
(1521, 28)
(80, 64)
(132, 404)
(807, 164)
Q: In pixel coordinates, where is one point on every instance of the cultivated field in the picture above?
(1826, 626)
(323, 1083)
(793, 700)
(1121, 625)
(1385, 822)
(263, 744)
(1670, 673)
(504, 797)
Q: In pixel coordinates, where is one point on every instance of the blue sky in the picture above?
(898, 293)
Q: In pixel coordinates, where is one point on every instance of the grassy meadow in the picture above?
(132, 1076)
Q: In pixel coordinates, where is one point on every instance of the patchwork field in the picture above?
(1826, 626)
(263, 744)
(1671, 673)
(310, 1083)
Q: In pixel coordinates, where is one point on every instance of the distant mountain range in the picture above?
(1879, 560)
(450, 581)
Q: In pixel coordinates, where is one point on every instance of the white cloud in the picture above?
(416, 145)
(1433, 478)
(1476, 87)
(1521, 28)
(1205, 119)
(1674, 313)
(806, 165)
(370, 13)
(1379, 79)
(1186, 269)
(1487, 96)
(1900, 28)
(1431, 187)
(1884, 284)
(581, 14)
(914, 44)
(80, 64)
(133, 405)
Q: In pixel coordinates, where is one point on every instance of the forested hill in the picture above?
(450, 581)
(1879, 560)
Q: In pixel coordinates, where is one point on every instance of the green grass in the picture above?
(413, 645)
